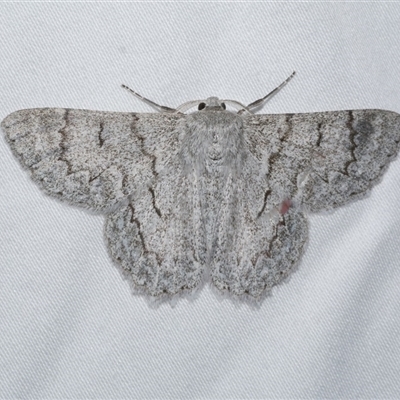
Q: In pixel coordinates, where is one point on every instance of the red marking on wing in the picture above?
(285, 206)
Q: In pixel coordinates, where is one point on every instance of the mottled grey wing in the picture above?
(157, 238)
(323, 160)
(126, 165)
(317, 160)
(88, 158)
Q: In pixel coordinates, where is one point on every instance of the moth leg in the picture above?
(158, 107)
(258, 102)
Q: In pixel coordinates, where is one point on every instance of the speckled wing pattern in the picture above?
(88, 158)
(209, 195)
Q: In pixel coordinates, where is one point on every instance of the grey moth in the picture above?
(215, 195)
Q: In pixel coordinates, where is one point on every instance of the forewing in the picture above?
(323, 160)
(88, 158)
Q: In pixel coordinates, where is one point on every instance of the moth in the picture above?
(213, 195)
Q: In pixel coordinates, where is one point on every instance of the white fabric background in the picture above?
(69, 326)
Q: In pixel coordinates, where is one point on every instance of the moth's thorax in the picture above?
(214, 136)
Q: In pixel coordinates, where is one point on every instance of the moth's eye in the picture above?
(201, 106)
(223, 106)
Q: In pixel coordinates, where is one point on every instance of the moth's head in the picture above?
(212, 103)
